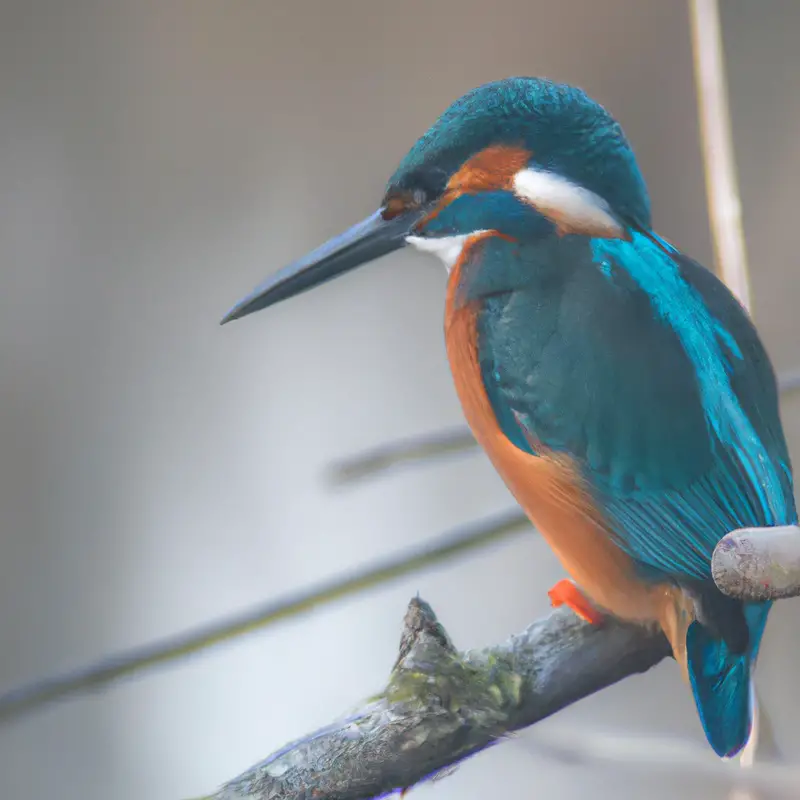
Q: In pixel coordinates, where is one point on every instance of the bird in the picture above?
(618, 387)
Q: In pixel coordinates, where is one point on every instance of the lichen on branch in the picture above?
(441, 705)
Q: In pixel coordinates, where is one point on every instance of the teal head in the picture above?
(521, 156)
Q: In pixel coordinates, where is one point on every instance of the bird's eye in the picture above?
(394, 206)
(397, 204)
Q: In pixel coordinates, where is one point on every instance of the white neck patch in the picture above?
(569, 206)
(447, 248)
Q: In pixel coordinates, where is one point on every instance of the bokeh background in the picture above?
(157, 159)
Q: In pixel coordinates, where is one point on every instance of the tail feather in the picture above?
(721, 681)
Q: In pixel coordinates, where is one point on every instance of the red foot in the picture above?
(566, 593)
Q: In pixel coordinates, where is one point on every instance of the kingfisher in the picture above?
(617, 386)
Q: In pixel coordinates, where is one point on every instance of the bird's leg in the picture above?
(566, 593)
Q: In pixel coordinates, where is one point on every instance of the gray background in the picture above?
(159, 158)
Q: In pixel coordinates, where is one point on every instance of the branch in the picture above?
(441, 706)
(758, 563)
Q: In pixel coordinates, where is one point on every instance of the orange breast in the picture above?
(550, 490)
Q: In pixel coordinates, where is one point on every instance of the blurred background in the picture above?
(157, 159)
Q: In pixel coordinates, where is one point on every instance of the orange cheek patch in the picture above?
(396, 205)
(491, 168)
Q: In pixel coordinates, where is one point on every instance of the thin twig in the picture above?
(747, 566)
(441, 550)
(430, 447)
(414, 450)
(724, 203)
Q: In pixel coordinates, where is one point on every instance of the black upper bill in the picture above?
(369, 239)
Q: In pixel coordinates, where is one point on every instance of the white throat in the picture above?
(447, 248)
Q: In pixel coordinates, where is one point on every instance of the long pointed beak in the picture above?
(369, 239)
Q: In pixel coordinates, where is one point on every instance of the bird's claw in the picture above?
(566, 593)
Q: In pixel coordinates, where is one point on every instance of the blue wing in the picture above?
(640, 364)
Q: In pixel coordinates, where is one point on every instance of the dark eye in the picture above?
(396, 204)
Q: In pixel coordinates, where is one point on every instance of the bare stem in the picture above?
(724, 203)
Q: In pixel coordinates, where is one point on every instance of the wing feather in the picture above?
(639, 363)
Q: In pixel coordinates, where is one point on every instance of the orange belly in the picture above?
(550, 491)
